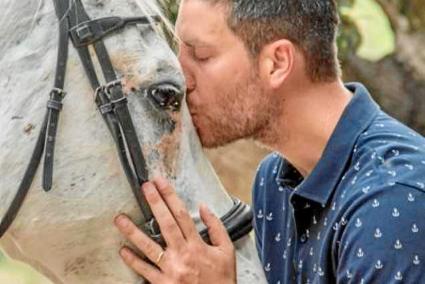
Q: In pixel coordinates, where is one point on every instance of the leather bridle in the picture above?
(75, 24)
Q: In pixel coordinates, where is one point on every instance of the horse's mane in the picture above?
(168, 27)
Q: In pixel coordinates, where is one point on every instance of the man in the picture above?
(343, 197)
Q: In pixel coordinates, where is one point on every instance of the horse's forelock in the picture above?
(157, 7)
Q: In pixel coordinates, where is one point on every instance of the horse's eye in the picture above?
(166, 96)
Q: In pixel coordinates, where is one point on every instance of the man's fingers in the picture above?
(149, 272)
(170, 231)
(147, 246)
(216, 230)
(177, 208)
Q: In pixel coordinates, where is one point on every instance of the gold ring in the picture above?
(158, 259)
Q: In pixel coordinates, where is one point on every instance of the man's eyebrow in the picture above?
(195, 43)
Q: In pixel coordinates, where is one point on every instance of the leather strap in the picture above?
(119, 119)
(54, 105)
(83, 35)
(26, 182)
(24, 186)
(238, 221)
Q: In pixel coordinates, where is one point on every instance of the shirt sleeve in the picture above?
(384, 238)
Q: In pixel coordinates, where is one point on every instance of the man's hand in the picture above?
(187, 258)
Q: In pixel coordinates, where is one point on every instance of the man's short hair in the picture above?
(310, 24)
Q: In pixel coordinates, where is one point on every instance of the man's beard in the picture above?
(242, 112)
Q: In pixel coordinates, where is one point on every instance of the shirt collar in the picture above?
(357, 116)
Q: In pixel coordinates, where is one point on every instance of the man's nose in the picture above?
(190, 82)
(188, 75)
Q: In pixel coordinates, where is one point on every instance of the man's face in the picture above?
(224, 93)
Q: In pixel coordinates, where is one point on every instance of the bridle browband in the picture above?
(75, 24)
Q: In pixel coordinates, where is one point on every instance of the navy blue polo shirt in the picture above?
(359, 217)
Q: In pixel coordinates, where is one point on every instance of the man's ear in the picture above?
(276, 62)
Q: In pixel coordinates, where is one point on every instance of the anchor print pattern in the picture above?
(369, 213)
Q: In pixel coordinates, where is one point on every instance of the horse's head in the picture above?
(154, 85)
(151, 79)
(67, 233)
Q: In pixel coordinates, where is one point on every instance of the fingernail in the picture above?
(122, 221)
(205, 208)
(148, 187)
(125, 254)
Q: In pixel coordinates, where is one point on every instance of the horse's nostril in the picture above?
(166, 96)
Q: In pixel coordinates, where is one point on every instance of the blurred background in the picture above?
(382, 45)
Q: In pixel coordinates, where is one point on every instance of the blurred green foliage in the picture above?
(13, 272)
(171, 8)
(414, 12)
(365, 30)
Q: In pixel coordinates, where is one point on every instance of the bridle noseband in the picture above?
(75, 24)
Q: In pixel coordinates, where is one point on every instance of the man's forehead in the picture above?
(200, 23)
(197, 36)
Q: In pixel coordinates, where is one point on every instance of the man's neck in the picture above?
(306, 122)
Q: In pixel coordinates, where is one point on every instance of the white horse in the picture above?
(67, 234)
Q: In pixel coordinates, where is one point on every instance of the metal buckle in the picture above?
(58, 92)
(107, 87)
(98, 91)
(56, 97)
(112, 84)
(84, 32)
(106, 90)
